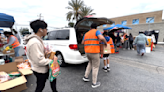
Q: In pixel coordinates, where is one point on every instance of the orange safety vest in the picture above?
(125, 37)
(91, 42)
(16, 42)
(111, 45)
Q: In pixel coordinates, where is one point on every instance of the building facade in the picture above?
(142, 22)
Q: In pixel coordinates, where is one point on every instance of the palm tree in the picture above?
(74, 6)
(86, 11)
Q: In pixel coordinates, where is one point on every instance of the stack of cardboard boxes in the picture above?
(18, 84)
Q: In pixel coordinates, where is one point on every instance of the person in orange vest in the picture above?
(109, 40)
(126, 41)
(13, 41)
(92, 49)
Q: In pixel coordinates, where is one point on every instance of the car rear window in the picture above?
(58, 35)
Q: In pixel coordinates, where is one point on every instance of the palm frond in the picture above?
(86, 11)
(75, 6)
(69, 15)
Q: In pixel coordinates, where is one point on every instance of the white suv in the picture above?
(66, 42)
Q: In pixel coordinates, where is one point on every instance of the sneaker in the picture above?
(96, 85)
(86, 79)
(108, 68)
(133, 49)
(142, 54)
(105, 70)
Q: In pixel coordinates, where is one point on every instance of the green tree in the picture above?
(74, 6)
(70, 24)
(86, 11)
(24, 31)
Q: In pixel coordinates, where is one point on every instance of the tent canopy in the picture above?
(118, 26)
(6, 20)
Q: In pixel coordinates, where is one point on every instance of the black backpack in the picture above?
(130, 38)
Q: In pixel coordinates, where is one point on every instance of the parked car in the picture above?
(66, 42)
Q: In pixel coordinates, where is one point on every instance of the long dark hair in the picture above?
(130, 35)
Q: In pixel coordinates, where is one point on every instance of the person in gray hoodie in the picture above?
(140, 41)
(36, 54)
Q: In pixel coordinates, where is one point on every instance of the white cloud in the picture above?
(54, 12)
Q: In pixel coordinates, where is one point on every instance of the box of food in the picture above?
(8, 51)
(105, 50)
(16, 82)
(23, 65)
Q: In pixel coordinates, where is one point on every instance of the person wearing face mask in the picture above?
(36, 52)
(13, 41)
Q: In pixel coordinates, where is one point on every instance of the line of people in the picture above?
(124, 41)
(128, 42)
(91, 40)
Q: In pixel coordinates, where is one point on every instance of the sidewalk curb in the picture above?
(148, 67)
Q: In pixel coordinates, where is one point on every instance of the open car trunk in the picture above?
(83, 25)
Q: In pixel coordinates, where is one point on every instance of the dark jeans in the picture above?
(126, 44)
(131, 44)
(41, 80)
(17, 51)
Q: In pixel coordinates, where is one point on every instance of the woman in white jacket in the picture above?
(36, 53)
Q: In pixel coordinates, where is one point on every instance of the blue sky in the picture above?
(54, 11)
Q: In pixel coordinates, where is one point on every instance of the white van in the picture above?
(66, 42)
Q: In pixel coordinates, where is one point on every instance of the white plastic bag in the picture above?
(148, 49)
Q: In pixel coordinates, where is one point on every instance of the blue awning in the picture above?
(6, 20)
(119, 26)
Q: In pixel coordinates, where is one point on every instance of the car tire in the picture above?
(60, 59)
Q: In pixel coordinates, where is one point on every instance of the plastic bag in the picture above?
(4, 77)
(54, 70)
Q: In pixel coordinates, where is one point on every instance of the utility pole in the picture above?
(40, 16)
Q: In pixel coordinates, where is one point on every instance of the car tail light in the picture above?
(73, 46)
(25, 47)
(25, 50)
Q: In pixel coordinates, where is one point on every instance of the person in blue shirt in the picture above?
(106, 67)
(97, 33)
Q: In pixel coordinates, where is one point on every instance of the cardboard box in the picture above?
(6, 52)
(14, 85)
(13, 55)
(17, 88)
(19, 60)
(105, 50)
